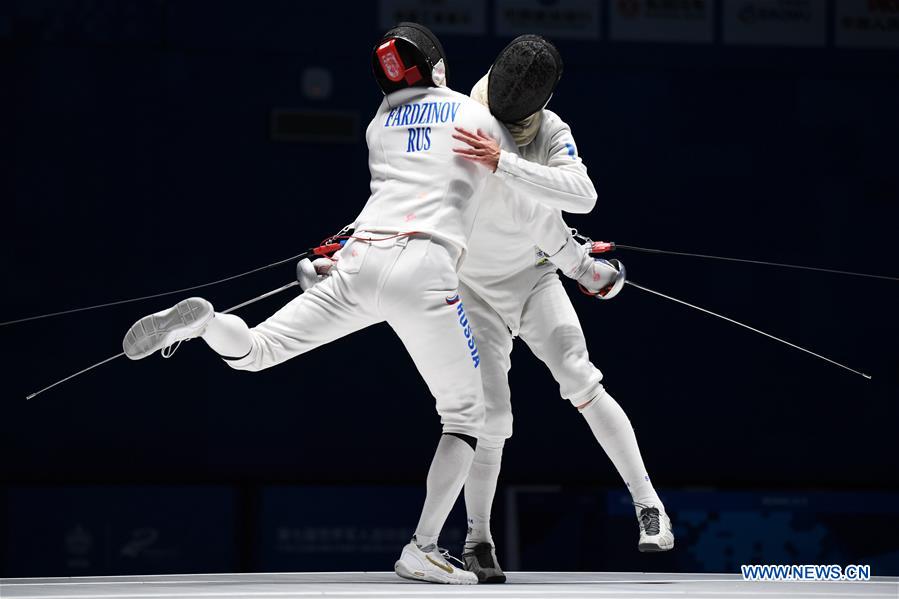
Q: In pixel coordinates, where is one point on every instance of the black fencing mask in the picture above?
(523, 78)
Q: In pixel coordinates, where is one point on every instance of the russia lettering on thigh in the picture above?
(466, 329)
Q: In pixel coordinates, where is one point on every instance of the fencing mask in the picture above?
(409, 55)
(523, 78)
(523, 131)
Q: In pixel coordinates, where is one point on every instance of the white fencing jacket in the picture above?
(521, 214)
(417, 182)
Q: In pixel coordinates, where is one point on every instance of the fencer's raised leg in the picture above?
(334, 308)
(551, 329)
(329, 310)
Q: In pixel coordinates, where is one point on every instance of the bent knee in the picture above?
(497, 426)
(586, 400)
(467, 420)
(251, 362)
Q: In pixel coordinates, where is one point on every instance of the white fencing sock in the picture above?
(480, 487)
(228, 335)
(450, 466)
(613, 430)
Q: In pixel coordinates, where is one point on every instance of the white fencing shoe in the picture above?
(167, 329)
(431, 564)
(655, 529)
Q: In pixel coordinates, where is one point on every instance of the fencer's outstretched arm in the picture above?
(561, 183)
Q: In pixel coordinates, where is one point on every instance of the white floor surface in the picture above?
(351, 585)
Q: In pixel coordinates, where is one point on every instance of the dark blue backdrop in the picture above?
(137, 158)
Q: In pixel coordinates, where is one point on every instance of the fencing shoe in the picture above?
(167, 329)
(481, 559)
(431, 564)
(655, 529)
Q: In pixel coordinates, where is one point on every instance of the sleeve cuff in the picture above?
(506, 161)
(570, 258)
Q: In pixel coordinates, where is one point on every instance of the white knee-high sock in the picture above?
(480, 488)
(613, 430)
(450, 466)
(228, 335)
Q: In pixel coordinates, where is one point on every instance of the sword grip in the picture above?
(324, 250)
(601, 247)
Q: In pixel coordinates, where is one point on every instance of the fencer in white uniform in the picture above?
(399, 267)
(512, 290)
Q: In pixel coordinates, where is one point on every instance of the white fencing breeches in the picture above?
(551, 329)
(410, 283)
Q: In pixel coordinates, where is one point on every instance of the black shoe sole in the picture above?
(649, 548)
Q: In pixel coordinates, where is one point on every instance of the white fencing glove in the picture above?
(310, 272)
(603, 279)
(600, 278)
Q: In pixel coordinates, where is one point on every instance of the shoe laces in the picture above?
(448, 558)
(169, 350)
(649, 519)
